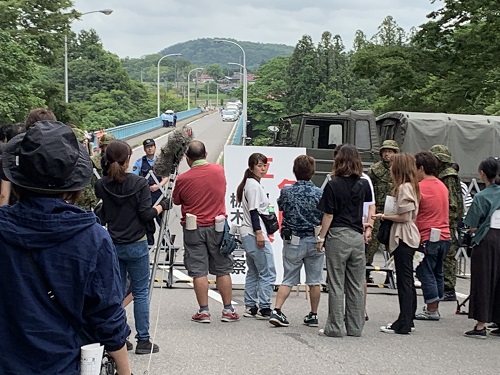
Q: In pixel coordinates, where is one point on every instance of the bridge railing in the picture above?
(144, 126)
(237, 140)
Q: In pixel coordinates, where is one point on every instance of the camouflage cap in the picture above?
(106, 139)
(80, 134)
(442, 152)
(390, 145)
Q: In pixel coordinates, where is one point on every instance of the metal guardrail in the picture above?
(144, 126)
(237, 140)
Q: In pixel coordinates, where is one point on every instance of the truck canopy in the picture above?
(470, 138)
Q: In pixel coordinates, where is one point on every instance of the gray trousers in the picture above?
(345, 264)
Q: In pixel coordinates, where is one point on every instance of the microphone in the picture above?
(173, 151)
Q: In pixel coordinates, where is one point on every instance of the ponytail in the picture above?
(117, 155)
(239, 191)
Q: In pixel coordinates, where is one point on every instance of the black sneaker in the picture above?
(476, 333)
(264, 314)
(146, 347)
(492, 326)
(278, 319)
(251, 312)
(495, 332)
(449, 295)
(311, 320)
(129, 345)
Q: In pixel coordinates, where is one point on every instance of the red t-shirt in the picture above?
(201, 191)
(433, 209)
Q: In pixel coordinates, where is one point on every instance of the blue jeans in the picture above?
(134, 261)
(261, 274)
(303, 254)
(430, 271)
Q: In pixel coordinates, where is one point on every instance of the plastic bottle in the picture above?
(270, 209)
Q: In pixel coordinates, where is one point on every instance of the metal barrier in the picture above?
(144, 126)
(237, 139)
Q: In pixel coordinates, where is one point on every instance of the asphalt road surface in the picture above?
(256, 347)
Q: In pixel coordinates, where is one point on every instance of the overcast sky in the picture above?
(138, 28)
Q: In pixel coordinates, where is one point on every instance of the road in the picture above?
(255, 347)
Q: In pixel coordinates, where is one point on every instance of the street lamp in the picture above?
(244, 133)
(192, 70)
(158, 81)
(244, 66)
(106, 12)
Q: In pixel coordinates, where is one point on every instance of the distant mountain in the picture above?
(205, 51)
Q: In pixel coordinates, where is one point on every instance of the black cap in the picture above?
(47, 158)
(149, 142)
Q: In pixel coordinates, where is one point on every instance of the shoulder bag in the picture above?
(384, 232)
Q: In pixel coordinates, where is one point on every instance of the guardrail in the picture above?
(237, 139)
(144, 126)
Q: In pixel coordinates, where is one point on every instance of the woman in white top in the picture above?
(404, 239)
(261, 275)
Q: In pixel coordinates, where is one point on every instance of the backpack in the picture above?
(229, 241)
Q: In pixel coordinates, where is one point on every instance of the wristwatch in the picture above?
(319, 239)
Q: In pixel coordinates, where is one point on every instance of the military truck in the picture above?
(471, 138)
(320, 133)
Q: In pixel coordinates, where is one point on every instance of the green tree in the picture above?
(214, 71)
(303, 77)
(267, 98)
(17, 70)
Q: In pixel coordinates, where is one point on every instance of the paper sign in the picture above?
(295, 240)
(495, 220)
(390, 206)
(90, 359)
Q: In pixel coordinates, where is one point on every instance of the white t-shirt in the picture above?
(366, 205)
(254, 198)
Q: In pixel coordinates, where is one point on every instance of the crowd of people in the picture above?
(78, 295)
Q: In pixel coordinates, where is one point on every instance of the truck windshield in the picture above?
(322, 136)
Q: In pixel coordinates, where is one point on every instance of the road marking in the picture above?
(231, 135)
(211, 293)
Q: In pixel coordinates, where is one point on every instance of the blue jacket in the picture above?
(78, 259)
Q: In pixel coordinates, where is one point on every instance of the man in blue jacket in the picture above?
(57, 265)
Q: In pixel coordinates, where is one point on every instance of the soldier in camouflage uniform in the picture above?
(104, 141)
(449, 177)
(380, 175)
(87, 199)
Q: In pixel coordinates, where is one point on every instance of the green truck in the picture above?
(471, 138)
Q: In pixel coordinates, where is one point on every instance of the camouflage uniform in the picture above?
(449, 177)
(87, 199)
(380, 175)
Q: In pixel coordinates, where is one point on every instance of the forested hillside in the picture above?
(206, 51)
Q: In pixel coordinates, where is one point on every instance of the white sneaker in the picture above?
(388, 329)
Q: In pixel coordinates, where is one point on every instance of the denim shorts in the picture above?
(305, 253)
(202, 253)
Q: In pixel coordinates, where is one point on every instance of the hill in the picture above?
(205, 51)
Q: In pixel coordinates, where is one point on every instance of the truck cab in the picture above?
(320, 133)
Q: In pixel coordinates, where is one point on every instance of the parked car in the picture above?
(229, 115)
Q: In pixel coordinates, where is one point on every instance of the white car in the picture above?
(229, 115)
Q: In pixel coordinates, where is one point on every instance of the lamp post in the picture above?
(158, 81)
(189, 73)
(244, 66)
(106, 12)
(244, 133)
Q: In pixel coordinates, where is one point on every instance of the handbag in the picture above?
(229, 241)
(270, 222)
(384, 232)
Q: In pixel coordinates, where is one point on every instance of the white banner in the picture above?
(279, 174)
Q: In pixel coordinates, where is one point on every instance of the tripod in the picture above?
(165, 240)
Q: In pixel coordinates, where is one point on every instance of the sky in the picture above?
(138, 28)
